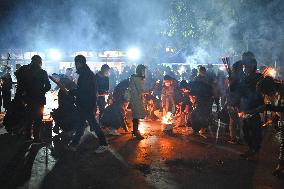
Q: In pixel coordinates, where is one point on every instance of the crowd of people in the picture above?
(241, 94)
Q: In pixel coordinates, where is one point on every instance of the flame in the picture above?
(167, 119)
(51, 103)
(269, 71)
(270, 121)
(241, 114)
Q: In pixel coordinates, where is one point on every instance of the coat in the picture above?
(136, 87)
(33, 82)
(114, 116)
(86, 92)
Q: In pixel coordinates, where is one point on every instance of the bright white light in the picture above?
(222, 68)
(133, 53)
(55, 54)
(181, 70)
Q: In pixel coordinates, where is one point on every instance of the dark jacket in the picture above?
(33, 83)
(102, 83)
(114, 116)
(250, 98)
(86, 92)
(7, 82)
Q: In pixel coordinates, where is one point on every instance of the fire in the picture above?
(167, 119)
(241, 114)
(167, 122)
(51, 103)
(270, 121)
(269, 72)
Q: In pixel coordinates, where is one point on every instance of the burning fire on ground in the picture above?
(167, 122)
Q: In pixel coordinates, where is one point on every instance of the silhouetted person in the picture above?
(33, 83)
(203, 92)
(251, 99)
(102, 78)
(6, 88)
(86, 101)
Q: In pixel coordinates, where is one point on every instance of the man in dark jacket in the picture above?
(86, 101)
(102, 78)
(33, 83)
(251, 99)
(6, 89)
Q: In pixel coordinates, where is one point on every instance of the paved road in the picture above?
(181, 160)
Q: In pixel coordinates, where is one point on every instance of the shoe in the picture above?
(278, 171)
(137, 135)
(114, 132)
(246, 154)
(102, 149)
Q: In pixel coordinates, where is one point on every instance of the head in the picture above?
(80, 61)
(210, 67)
(69, 72)
(141, 70)
(36, 60)
(105, 70)
(167, 80)
(202, 71)
(237, 66)
(247, 56)
(194, 72)
(250, 66)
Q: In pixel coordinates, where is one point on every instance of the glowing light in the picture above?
(269, 72)
(168, 118)
(181, 70)
(241, 114)
(55, 54)
(133, 54)
(223, 68)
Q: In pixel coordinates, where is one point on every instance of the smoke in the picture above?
(80, 25)
(199, 56)
(220, 27)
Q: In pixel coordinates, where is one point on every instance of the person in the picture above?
(250, 99)
(6, 89)
(33, 83)
(86, 98)
(69, 74)
(168, 95)
(136, 88)
(114, 117)
(234, 102)
(203, 92)
(274, 90)
(102, 78)
(194, 73)
(65, 116)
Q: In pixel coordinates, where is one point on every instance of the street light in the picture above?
(133, 54)
(55, 54)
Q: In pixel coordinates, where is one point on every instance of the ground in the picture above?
(180, 160)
